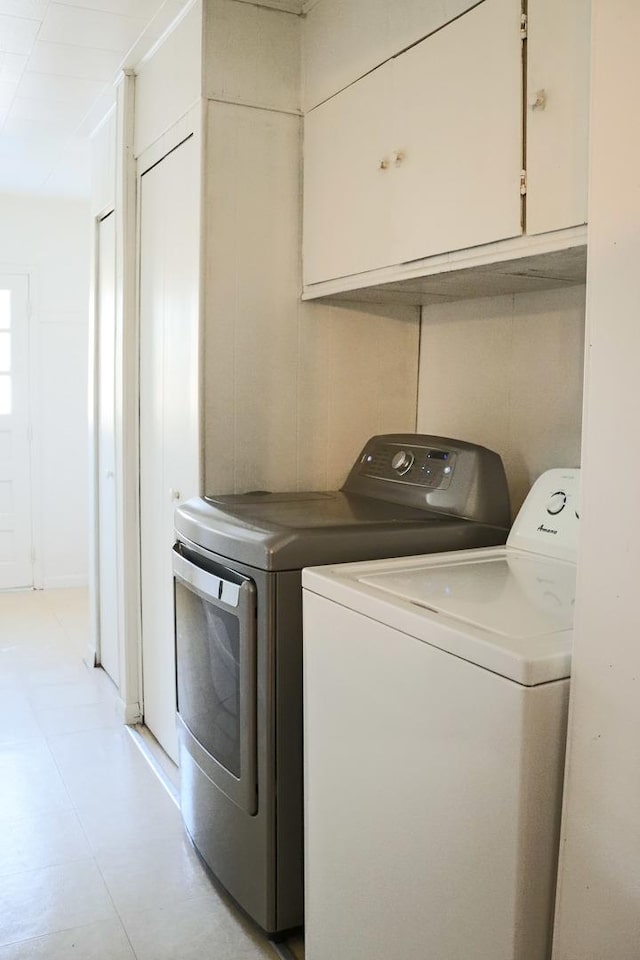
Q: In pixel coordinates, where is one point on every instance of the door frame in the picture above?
(94, 654)
(129, 169)
(126, 478)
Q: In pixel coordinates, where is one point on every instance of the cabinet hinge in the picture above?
(523, 183)
(524, 22)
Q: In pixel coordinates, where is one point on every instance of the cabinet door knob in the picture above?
(384, 164)
(398, 157)
(174, 494)
(539, 101)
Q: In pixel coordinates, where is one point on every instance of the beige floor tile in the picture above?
(30, 782)
(37, 902)
(112, 826)
(18, 720)
(54, 669)
(105, 940)
(75, 694)
(195, 930)
(57, 720)
(85, 824)
(36, 842)
(104, 767)
(153, 874)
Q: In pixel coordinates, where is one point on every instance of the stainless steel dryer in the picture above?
(238, 602)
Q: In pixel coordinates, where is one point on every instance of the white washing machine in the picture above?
(436, 693)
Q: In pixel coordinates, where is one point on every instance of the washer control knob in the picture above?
(556, 502)
(402, 462)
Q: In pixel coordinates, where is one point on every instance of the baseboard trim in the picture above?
(60, 583)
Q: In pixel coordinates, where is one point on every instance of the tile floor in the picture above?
(94, 862)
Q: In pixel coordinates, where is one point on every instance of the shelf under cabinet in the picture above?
(521, 265)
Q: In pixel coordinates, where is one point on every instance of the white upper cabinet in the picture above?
(342, 42)
(345, 39)
(557, 117)
(347, 189)
(421, 156)
(456, 143)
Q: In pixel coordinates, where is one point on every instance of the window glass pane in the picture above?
(5, 351)
(5, 309)
(5, 394)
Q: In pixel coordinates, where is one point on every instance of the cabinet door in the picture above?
(457, 134)
(345, 39)
(557, 114)
(346, 184)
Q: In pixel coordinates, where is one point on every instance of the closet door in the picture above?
(169, 422)
(109, 646)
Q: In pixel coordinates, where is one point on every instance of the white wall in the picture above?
(507, 372)
(292, 391)
(598, 914)
(168, 82)
(50, 239)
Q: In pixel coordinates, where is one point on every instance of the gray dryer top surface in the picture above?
(406, 494)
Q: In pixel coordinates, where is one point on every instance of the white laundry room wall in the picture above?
(598, 913)
(49, 238)
(507, 372)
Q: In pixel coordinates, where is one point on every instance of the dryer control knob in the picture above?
(557, 502)
(402, 462)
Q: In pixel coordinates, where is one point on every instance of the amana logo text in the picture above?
(543, 529)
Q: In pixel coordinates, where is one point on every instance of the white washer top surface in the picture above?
(512, 594)
(506, 609)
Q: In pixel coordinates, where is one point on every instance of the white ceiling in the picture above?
(58, 64)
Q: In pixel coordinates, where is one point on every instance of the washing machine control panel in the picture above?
(549, 518)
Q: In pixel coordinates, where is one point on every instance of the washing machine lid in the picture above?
(514, 595)
(503, 609)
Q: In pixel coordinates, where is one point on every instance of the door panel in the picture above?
(558, 57)
(169, 425)
(347, 187)
(16, 567)
(423, 156)
(457, 135)
(109, 651)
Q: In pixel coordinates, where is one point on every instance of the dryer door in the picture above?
(216, 672)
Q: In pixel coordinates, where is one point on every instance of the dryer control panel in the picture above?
(435, 473)
(430, 467)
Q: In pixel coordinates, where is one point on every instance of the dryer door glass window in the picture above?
(209, 692)
(215, 611)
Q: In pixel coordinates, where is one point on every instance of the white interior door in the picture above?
(109, 648)
(169, 424)
(16, 562)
